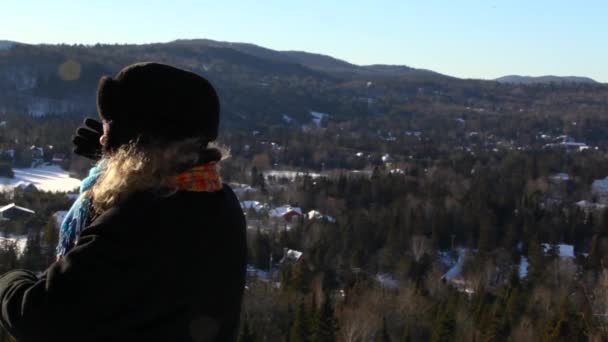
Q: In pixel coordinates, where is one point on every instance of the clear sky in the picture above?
(466, 38)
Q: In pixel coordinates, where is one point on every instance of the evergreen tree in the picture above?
(444, 326)
(323, 325)
(246, 335)
(568, 327)
(384, 335)
(299, 331)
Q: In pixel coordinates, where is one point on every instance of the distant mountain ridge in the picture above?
(545, 79)
(313, 61)
(6, 44)
(259, 87)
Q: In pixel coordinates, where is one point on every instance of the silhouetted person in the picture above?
(154, 248)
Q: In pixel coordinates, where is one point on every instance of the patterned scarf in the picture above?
(201, 178)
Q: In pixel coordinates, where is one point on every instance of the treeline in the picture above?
(499, 208)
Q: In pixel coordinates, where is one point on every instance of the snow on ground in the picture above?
(291, 175)
(288, 119)
(523, 267)
(240, 189)
(387, 281)
(318, 117)
(20, 241)
(46, 178)
(456, 270)
(258, 273)
(565, 251)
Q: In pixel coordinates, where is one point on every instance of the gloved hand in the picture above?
(86, 141)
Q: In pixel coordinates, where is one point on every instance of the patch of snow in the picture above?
(600, 186)
(456, 270)
(72, 196)
(564, 250)
(291, 175)
(288, 119)
(560, 177)
(46, 178)
(523, 267)
(387, 281)
(19, 241)
(240, 189)
(318, 117)
(258, 273)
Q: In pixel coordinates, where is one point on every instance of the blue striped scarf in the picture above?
(78, 216)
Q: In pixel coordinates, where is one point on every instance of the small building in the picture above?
(253, 205)
(316, 215)
(14, 212)
(286, 212)
(36, 152)
(291, 255)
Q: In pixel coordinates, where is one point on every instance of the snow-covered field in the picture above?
(291, 175)
(45, 177)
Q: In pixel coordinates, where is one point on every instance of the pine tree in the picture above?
(384, 334)
(444, 326)
(299, 331)
(569, 326)
(246, 334)
(323, 327)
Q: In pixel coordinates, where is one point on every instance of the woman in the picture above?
(154, 249)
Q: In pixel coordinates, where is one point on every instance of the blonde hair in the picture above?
(132, 168)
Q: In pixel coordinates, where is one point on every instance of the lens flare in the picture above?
(69, 70)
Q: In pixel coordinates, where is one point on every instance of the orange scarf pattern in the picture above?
(201, 178)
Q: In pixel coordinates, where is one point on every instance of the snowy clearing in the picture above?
(46, 178)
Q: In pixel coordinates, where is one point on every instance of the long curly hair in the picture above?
(132, 168)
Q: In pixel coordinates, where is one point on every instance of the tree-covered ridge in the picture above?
(258, 86)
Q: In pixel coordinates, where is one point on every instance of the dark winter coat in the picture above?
(149, 269)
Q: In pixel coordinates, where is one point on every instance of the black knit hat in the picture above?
(155, 103)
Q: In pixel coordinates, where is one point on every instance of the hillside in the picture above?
(6, 44)
(259, 86)
(545, 79)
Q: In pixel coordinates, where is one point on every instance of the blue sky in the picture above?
(467, 38)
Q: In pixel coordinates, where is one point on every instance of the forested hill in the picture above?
(258, 86)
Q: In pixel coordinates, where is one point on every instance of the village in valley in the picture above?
(267, 216)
